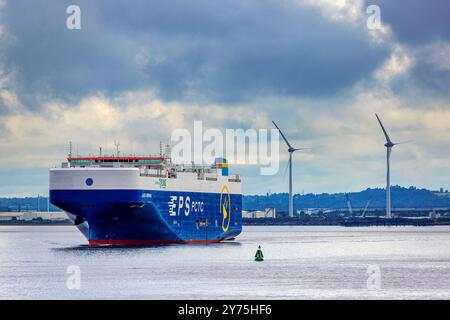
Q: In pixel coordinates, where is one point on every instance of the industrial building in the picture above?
(32, 215)
(268, 213)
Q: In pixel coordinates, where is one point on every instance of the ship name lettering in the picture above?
(180, 204)
(172, 206)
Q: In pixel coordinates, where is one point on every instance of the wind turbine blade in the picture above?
(301, 149)
(282, 135)
(403, 142)
(384, 131)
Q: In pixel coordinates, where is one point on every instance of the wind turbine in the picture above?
(389, 145)
(291, 150)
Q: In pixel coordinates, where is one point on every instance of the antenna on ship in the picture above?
(160, 148)
(168, 152)
(70, 149)
(117, 144)
(100, 151)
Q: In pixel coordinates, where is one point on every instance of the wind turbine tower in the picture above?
(349, 205)
(389, 145)
(291, 150)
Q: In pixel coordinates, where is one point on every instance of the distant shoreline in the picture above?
(348, 222)
(36, 223)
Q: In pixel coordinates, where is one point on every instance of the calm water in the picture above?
(301, 263)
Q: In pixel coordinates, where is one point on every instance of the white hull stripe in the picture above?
(130, 179)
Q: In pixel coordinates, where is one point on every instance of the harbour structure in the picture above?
(32, 215)
(259, 214)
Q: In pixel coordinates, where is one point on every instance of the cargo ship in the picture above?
(147, 200)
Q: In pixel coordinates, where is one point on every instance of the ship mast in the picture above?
(117, 144)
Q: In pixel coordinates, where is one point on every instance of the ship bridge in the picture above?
(115, 161)
(154, 166)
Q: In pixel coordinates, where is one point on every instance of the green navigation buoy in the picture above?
(259, 255)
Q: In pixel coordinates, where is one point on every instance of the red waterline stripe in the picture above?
(146, 242)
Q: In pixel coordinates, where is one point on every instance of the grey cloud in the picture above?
(206, 51)
(428, 76)
(416, 21)
(418, 24)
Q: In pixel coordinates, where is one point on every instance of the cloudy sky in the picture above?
(139, 69)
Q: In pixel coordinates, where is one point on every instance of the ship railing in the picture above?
(153, 175)
(234, 178)
(191, 167)
(147, 172)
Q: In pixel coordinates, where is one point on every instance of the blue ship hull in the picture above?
(143, 217)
